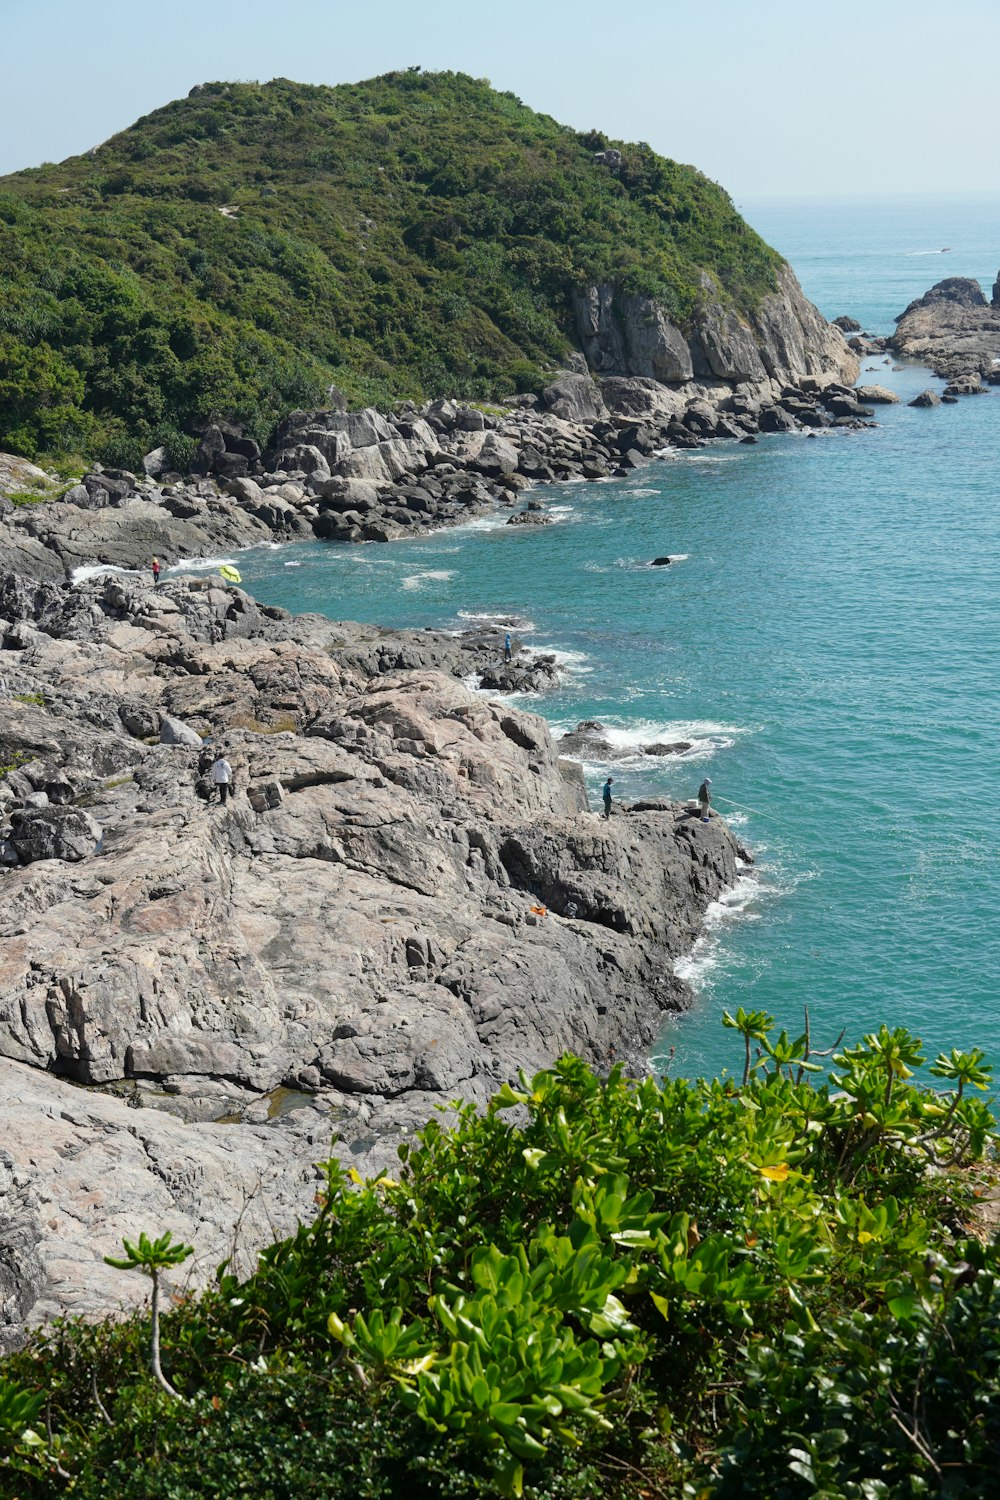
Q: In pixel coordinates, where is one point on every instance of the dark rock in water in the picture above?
(661, 562)
(947, 400)
(965, 385)
(846, 324)
(530, 518)
(535, 674)
(926, 398)
(750, 438)
(590, 741)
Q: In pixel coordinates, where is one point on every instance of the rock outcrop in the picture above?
(406, 901)
(952, 328)
(784, 340)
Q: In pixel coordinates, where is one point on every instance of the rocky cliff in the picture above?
(781, 339)
(407, 900)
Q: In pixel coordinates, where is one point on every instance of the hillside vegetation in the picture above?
(595, 1290)
(419, 234)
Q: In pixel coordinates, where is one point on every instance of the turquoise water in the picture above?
(829, 643)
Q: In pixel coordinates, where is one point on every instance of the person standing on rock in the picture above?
(506, 647)
(222, 777)
(606, 794)
(705, 798)
(156, 570)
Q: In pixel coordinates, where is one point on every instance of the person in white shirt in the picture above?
(222, 776)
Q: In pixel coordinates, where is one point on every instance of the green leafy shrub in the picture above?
(595, 1286)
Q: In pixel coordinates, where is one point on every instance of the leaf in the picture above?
(777, 1173)
(661, 1304)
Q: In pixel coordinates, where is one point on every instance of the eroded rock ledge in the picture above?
(407, 901)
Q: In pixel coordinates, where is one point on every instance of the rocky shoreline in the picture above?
(407, 901)
(368, 476)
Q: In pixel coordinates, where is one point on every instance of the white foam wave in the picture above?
(202, 564)
(740, 903)
(570, 661)
(703, 737)
(429, 575)
(499, 620)
(293, 565)
(94, 570)
(490, 522)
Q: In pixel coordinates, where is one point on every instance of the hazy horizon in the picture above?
(769, 101)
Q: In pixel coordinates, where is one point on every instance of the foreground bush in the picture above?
(597, 1286)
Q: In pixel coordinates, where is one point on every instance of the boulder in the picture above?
(67, 833)
(926, 398)
(156, 462)
(877, 395)
(175, 732)
(496, 456)
(305, 458)
(575, 398)
(846, 324)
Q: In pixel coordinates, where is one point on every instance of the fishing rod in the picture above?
(740, 806)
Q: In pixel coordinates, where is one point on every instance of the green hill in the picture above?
(234, 252)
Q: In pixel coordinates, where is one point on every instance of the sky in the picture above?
(772, 98)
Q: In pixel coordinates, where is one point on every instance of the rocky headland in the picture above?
(955, 331)
(406, 901)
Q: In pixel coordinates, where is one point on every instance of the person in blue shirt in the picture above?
(506, 647)
(606, 794)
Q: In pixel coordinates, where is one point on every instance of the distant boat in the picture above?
(946, 250)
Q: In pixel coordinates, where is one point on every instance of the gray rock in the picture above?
(156, 462)
(624, 333)
(575, 398)
(174, 732)
(67, 833)
(951, 328)
(496, 456)
(926, 398)
(877, 395)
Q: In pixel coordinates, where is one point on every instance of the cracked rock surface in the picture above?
(406, 901)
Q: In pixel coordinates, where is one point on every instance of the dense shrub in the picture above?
(595, 1287)
(418, 234)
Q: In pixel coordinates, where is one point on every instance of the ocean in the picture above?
(828, 642)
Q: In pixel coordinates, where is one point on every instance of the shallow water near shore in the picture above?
(828, 645)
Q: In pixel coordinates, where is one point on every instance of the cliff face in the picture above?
(407, 900)
(784, 338)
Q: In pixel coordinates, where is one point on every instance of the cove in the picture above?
(828, 643)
